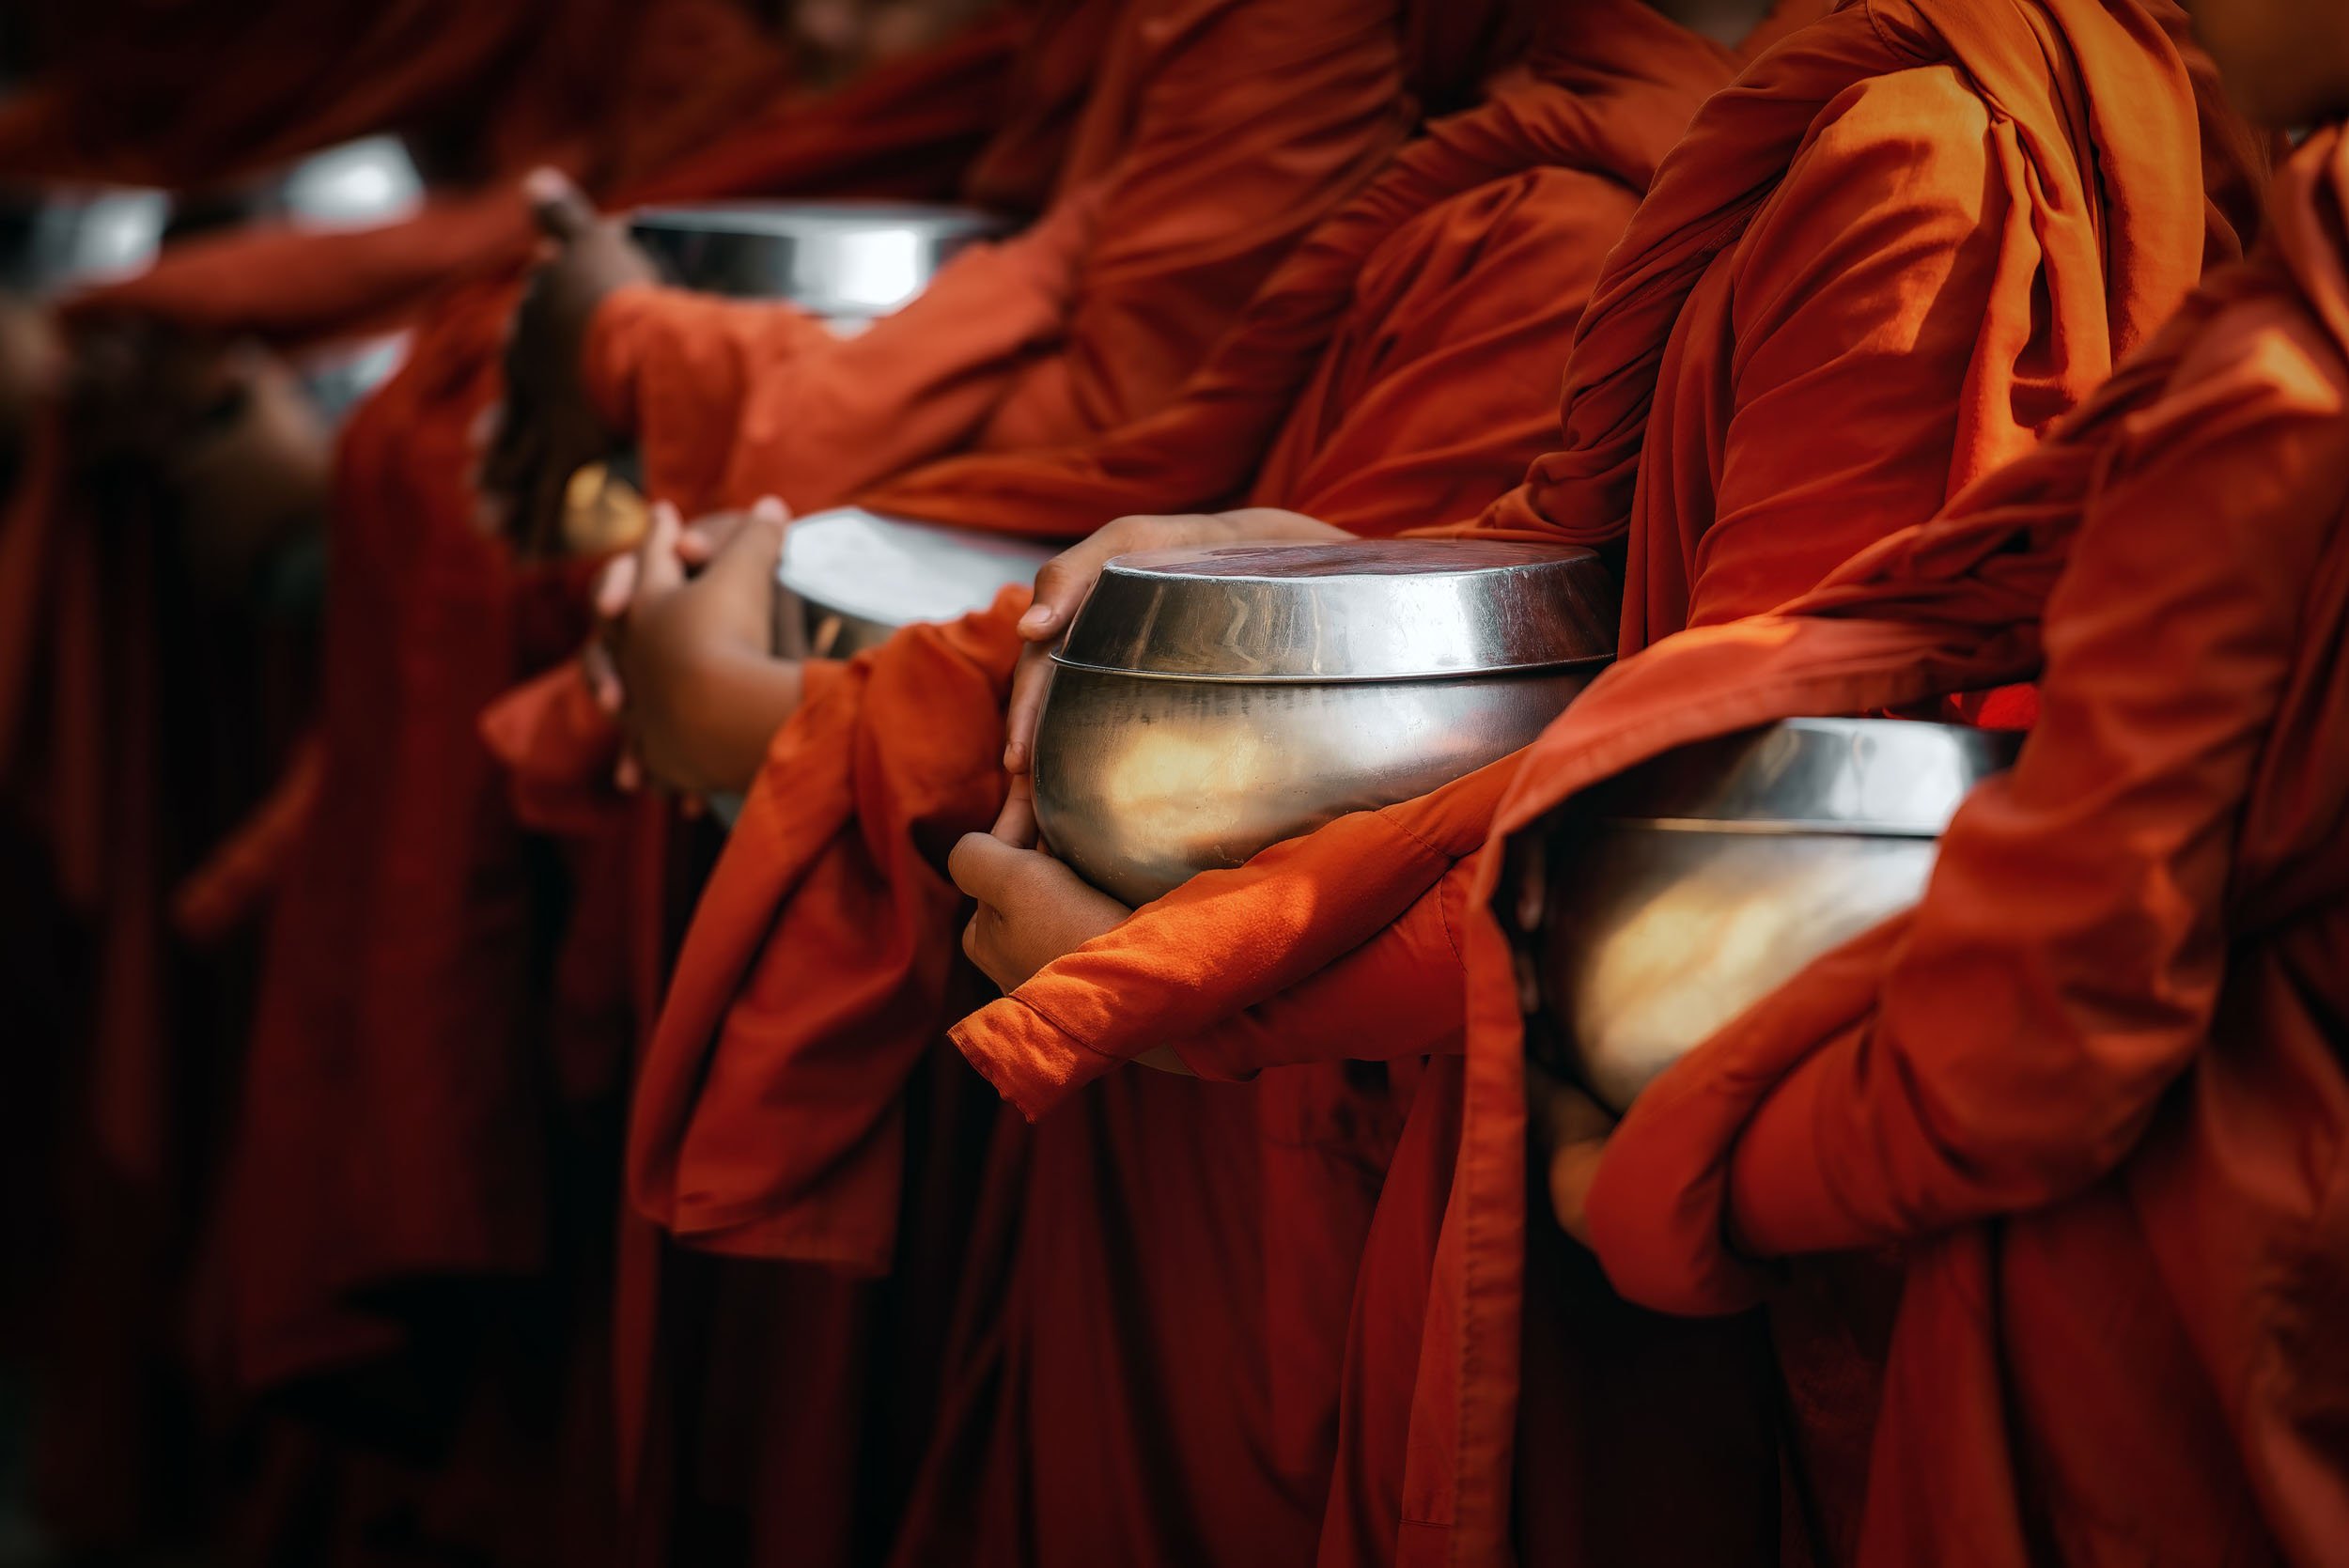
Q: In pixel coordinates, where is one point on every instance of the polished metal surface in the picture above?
(859, 575)
(1687, 889)
(356, 185)
(849, 262)
(1260, 704)
(1350, 610)
(342, 377)
(79, 237)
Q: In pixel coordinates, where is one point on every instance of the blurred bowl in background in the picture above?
(848, 263)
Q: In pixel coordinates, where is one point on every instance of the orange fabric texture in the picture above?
(1787, 358)
(196, 93)
(1222, 131)
(2092, 1087)
(1417, 334)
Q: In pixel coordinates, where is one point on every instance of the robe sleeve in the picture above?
(1255, 121)
(1399, 995)
(1864, 294)
(2064, 969)
(1229, 940)
(732, 400)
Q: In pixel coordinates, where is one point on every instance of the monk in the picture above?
(1822, 323)
(1165, 216)
(2093, 1089)
(1404, 360)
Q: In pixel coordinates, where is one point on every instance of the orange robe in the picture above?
(2094, 1088)
(1875, 270)
(1416, 335)
(1186, 182)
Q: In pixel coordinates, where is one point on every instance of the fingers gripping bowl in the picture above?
(1210, 702)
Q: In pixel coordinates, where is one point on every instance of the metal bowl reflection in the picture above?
(848, 263)
(1683, 892)
(1208, 704)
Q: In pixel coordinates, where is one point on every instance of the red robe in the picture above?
(1787, 358)
(1189, 176)
(773, 1117)
(2095, 1088)
(137, 721)
(124, 810)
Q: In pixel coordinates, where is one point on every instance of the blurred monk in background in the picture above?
(2094, 1089)
(1911, 237)
(116, 751)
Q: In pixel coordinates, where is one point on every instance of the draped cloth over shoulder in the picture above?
(2095, 1082)
(1910, 236)
(1189, 176)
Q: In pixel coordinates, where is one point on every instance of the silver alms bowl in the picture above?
(847, 261)
(1209, 703)
(1685, 891)
(849, 578)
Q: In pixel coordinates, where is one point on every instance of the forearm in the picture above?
(740, 701)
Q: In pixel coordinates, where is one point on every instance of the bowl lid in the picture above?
(1882, 777)
(1354, 610)
(891, 572)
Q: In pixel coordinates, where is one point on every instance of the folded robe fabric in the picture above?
(1787, 358)
(1198, 177)
(2094, 1085)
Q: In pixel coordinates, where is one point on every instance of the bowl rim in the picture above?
(1553, 611)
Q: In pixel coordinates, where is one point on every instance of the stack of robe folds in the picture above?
(591, 1189)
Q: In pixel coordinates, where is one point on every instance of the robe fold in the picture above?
(1910, 236)
(1417, 333)
(1184, 185)
(2093, 1088)
(613, 87)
